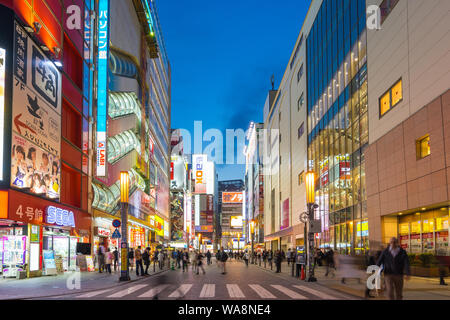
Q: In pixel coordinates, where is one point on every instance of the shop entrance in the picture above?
(64, 247)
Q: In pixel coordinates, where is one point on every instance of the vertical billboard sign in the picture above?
(36, 119)
(197, 209)
(102, 84)
(2, 106)
(199, 166)
(210, 177)
(285, 215)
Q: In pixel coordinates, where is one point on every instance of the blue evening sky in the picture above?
(222, 55)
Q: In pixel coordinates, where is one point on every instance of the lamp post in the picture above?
(252, 229)
(124, 193)
(310, 180)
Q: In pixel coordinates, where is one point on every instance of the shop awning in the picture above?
(121, 65)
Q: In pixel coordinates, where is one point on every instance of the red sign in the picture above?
(171, 171)
(285, 215)
(232, 197)
(29, 209)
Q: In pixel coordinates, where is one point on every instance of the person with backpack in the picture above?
(146, 259)
(223, 260)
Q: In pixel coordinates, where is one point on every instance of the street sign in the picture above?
(315, 226)
(303, 217)
(116, 234)
(116, 223)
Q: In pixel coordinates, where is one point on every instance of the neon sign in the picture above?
(60, 217)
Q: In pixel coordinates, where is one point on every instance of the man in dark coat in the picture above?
(396, 265)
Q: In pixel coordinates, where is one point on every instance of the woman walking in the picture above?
(200, 263)
(108, 260)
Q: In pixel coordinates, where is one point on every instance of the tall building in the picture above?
(408, 158)
(132, 122)
(45, 106)
(230, 215)
(254, 184)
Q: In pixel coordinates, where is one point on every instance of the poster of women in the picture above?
(33, 169)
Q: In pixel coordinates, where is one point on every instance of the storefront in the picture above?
(36, 233)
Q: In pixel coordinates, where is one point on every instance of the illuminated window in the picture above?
(391, 98)
(423, 147)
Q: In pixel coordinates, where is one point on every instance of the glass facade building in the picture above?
(338, 122)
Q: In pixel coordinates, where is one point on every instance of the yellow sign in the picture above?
(124, 259)
(159, 226)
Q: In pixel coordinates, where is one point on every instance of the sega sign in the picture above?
(60, 217)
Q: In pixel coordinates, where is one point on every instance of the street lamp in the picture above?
(310, 180)
(124, 194)
(252, 229)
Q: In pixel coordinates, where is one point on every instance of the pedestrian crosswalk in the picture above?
(210, 290)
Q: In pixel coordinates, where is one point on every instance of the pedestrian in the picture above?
(223, 260)
(131, 258)
(218, 263)
(208, 257)
(108, 260)
(396, 265)
(270, 259)
(138, 259)
(329, 261)
(200, 263)
(161, 260)
(155, 259)
(259, 257)
(371, 259)
(246, 257)
(179, 258)
(278, 259)
(146, 259)
(116, 258)
(289, 256)
(100, 259)
(264, 255)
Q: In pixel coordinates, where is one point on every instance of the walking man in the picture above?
(278, 258)
(116, 258)
(223, 260)
(185, 258)
(146, 259)
(208, 257)
(396, 266)
(138, 258)
(200, 263)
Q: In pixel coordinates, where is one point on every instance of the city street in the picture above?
(239, 282)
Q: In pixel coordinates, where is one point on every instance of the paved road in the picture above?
(240, 282)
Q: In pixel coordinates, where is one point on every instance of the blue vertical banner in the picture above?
(102, 83)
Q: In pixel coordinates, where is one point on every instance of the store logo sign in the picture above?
(60, 217)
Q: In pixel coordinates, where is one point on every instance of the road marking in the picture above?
(234, 291)
(127, 291)
(288, 292)
(263, 293)
(154, 291)
(93, 294)
(181, 291)
(319, 294)
(208, 291)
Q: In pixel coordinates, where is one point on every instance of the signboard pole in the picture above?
(124, 268)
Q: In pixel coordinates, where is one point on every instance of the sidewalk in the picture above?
(47, 286)
(417, 288)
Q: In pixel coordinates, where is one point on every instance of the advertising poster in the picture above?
(49, 262)
(177, 215)
(285, 215)
(232, 197)
(90, 263)
(36, 120)
(33, 169)
(198, 165)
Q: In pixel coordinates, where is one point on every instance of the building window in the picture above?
(300, 73)
(301, 130)
(301, 102)
(301, 178)
(391, 98)
(386, 8)
(423, 147)
(296, 51)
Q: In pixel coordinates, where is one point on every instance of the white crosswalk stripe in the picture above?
(127, 291)
(263, 293)
(234, 291)
(289, 292)
(316, 293)
(181, 291)
(154, 291)
(93, 294)
(208, 291)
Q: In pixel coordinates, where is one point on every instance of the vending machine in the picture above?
(13, 255)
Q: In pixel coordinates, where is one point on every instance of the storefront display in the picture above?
(13, 255)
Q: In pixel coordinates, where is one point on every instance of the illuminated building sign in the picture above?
(60, 217)
(199, 162)
(2, 106)
(102, 84)
(236, 222)
(232, 197)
